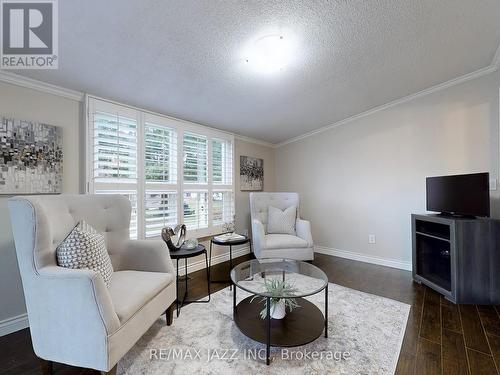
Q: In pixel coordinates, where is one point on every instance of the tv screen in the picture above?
(467, 195)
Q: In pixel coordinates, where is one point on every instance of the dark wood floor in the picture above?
(440, 338)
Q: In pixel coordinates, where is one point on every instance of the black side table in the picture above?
(230, 243)
(184, 253)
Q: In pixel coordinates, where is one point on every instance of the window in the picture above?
(222, 207)
(195, 159)
(160, 150)
(172, 171)
(160, 210)
(196, 209)
(222, 162)
(115, 147)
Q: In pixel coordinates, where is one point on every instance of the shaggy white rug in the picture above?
(365, 333)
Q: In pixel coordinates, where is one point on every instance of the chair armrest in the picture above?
(145, 255)
(258, 235)
(79, 292)
(303, 228)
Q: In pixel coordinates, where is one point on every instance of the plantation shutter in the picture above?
(222, 162)
(222, 207)
(115, 147)
(160, 149)
(195, 205)
(195, 158)
(173, 172)
(160, 211)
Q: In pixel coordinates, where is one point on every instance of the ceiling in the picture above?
(184, 57)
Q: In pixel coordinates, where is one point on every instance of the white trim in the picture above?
(216, 259)
(467, 77)
(393, 263)
(254, 141)
(16, 323)
(34, 84)
(30, 83)
(496, 59)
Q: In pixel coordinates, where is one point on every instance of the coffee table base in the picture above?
(299, 327)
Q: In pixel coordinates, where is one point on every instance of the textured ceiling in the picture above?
(184, 58)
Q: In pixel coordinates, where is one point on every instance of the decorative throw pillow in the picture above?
(85, 248)
(281, 222)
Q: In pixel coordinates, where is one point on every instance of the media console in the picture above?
(458, 257)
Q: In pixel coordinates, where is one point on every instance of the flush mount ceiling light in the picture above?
(270, 53)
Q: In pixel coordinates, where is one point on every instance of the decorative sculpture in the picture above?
(168, 235)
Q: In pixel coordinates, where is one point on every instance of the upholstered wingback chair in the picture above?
(265, 245)
(74, 318)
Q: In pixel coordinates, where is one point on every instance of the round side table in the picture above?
(229, 243)
(184, 253)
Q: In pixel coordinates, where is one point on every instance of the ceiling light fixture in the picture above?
(269, 54)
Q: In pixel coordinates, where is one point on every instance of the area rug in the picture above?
(365, 334)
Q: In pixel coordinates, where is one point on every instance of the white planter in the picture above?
(278, 310)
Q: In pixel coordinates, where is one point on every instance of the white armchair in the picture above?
(297, 247)
(74, 318)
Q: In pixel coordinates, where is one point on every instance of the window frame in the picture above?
(142, 117)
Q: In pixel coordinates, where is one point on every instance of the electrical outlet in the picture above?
(372, 239)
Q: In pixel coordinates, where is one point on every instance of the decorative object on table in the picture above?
(190, 244)
(31, 157)
(227, 237)
(168, 235)
(251, 173)
(277, 289)
(228, 226)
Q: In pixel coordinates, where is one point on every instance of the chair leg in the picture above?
(110, 372)
(46, 366)
(170, 314)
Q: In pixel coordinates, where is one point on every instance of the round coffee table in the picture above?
(300, 326)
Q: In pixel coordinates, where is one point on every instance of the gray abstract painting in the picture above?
(251, 173)
(31, 157)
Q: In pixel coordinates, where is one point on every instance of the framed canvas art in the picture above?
(31, 157)
(251, 173)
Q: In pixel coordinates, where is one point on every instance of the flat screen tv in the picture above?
(460, 195)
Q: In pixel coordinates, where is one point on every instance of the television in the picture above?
(459, 195)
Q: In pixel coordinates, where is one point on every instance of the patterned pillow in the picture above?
(281, 222)
(85, 248)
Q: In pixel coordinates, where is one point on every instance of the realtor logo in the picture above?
(29, 34)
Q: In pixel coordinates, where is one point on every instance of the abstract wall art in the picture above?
(251, 173)
(31, 157)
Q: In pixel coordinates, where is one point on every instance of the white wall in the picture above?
(33, 105)
(242, 204)
(368, 175)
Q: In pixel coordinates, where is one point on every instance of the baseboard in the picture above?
(13, 324)
(216, 259)
(364, 258)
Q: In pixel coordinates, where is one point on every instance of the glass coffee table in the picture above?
(300, 326)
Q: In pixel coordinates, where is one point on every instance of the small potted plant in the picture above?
(281, 294)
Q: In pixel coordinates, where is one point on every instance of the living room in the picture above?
(250, 187)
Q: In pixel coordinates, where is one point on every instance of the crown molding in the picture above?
(456, 81)
(34, 84)
(254, 140)
(496, 58)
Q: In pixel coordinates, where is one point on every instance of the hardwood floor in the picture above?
(440, 338)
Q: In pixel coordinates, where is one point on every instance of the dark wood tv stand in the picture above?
(458, 257)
